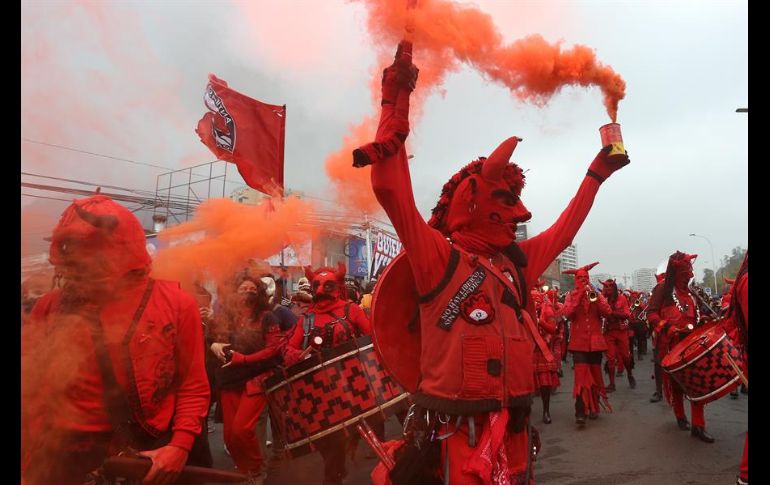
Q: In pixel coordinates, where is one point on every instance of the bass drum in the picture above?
(699, 363)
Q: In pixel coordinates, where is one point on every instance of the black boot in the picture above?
(631, 380)
(700, 433)
(656, 397)
(545, 395)
(734, 394)
(683, 424)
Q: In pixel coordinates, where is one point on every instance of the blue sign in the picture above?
(357, 257)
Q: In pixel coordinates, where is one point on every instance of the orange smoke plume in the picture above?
(531, 68)
(224, 235)
(446, 35)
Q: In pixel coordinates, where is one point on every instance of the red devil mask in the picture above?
(679, 268)
(581, 275)
(481, 204)
(610, 288)
(553, 295)
(326, 283)
(97, 241)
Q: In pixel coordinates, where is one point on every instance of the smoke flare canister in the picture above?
(611, 135)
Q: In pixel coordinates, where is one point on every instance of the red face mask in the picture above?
(609, 288)
(581, 275)
(496, 211)
(327, 284)
(481, 201)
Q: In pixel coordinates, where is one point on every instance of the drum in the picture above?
(699, 364)
(330, 392)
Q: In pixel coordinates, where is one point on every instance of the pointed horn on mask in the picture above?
(341, 271)
(495, 164)
(309, 274)
(106, 222)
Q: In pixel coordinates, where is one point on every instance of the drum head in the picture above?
(396, 323)
(694, 345)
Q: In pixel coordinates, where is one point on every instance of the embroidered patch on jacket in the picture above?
(453, 307)
(477, 309)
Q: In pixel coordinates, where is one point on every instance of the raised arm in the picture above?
(426, 248)
(542, 249)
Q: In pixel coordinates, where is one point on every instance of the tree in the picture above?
(728, 269)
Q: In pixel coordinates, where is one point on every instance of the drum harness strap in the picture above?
(308, 325)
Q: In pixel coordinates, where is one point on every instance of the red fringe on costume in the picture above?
(545, 372)
(589, 385)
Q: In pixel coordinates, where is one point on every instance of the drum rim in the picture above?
(722, 337)
(721, 389)
(346, 423)
(319, 366)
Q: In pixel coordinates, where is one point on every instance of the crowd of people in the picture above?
(135, 363)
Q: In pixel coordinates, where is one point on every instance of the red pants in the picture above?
(589, 384)
(696, 409)
(618, 352)
(240, 414)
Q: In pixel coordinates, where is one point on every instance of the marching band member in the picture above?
(585, 308)
(674, 312)
(331, 320)
(616, 333)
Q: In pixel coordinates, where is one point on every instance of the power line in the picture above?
(62, 147)
(94, 154)
(43, 197)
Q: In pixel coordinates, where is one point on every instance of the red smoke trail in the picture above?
(234, 233)
(446, 35)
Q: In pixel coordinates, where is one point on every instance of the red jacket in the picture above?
(342, 326)
(166, 381)
(620, 314)
(586, 330)
(470, 361)
(668, 321)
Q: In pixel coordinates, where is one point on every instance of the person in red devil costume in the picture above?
(112, 360)
(673, 312)
(476, 356)
(248, 340)
(558, 345)
(335, 321)
(657, 396)
(585, 308)
(616, 333)
(737, 326)
(546, 378)
(638, 329)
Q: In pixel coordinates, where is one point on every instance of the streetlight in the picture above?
(713, 261)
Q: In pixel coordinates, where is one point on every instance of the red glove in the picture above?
(401, 74)
(237, 358)
(601, 167)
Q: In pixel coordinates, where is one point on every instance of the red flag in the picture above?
(244, 131)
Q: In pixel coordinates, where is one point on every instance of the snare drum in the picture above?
(700, 366)
(326, 393)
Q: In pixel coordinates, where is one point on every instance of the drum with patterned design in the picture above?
(700, 365)
(329, 393)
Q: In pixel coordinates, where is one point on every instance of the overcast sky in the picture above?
(127, 79)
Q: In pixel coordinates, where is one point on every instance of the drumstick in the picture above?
(737, 369)
(316, 340)
(369, 436)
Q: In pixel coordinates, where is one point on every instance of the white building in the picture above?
(568, 258)
(643, 279)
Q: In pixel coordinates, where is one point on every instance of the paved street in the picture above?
(638, 444)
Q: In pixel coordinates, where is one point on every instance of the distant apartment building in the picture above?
(643, 279)
(568, 258)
